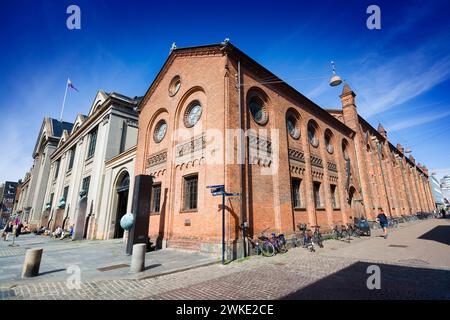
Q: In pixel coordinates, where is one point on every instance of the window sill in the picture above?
(320, 208)
(155, 213)
(337, 208)
(299, 209)
(189, 210)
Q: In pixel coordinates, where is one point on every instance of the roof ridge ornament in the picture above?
(226, 41)
(173, 47)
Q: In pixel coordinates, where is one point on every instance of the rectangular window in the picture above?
(57, 164)
(296, 198)
(190, 192)
(123, 138)
(65, 193)
(156, 198)
(316, 189)
(85, 185)
(51, 200)
(71, 158)
(334, 202)
(92, 142)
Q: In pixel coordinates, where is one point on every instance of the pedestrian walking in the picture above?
(382, 219)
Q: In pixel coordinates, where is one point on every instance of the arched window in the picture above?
(329, 141)
(293, 124)
(124, 183)
(312, 134)
(345, 149)
(257, 104)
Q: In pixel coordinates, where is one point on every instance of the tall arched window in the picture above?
(312, 134)
(329, 141)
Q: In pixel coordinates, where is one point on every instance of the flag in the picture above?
(70, 85)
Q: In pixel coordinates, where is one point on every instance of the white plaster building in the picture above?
(84, 160)
(47, 141)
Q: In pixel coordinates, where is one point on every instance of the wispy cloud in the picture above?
(384, 83)
(416, 121)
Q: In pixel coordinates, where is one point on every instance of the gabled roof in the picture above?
(51, 130)
(232, 51)
(100, 97)
(79, 120)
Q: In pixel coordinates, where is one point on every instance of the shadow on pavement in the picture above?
(51, 271)
(440, 234)
(397, 282)
(152, 266)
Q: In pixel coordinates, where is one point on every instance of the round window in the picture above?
(258, 110)
(292, 126)
(160, 131)
(174, 86)
(193, 114)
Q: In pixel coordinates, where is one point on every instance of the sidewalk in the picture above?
(334, 272)
(96, 259)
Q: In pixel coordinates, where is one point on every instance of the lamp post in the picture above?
(219, 190)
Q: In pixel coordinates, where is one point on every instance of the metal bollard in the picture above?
(138, 257)
(32, 263)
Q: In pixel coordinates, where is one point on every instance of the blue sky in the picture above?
(401, 73)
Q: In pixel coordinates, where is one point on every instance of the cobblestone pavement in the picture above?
(333, 272)
(95, 259)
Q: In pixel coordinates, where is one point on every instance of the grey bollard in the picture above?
(138, 257)
(32, 263)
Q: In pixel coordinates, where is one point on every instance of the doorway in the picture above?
(122, 202)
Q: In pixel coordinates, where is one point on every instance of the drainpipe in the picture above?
(242, 163)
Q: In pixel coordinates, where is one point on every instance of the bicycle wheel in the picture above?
(318, 240)
(345, 234)
(335, 235)
(267, 249)
(281, 247)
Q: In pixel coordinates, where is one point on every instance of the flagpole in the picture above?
(64, 101)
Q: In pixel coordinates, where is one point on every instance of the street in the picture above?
(414, 263)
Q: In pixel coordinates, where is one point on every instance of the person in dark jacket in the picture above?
(383, 222)
(19, 229)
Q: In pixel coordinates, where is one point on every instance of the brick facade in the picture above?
(380, 174)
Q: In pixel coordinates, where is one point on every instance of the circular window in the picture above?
(312, 136)
(192, 114)
(258, 110)
(160, 131)
(292, 126)
(174, 86)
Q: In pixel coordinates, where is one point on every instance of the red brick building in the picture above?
(297, 162)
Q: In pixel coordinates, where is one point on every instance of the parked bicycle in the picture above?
(306, 237)
(362, 226)
(339, 232)
(266, 246)
(279, 242)
(317, 236)
(392, 223)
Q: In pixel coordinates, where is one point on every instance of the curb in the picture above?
(172, 271)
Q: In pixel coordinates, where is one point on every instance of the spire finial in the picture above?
(174, 46)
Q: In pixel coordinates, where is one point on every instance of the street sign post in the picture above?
(219, 190)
